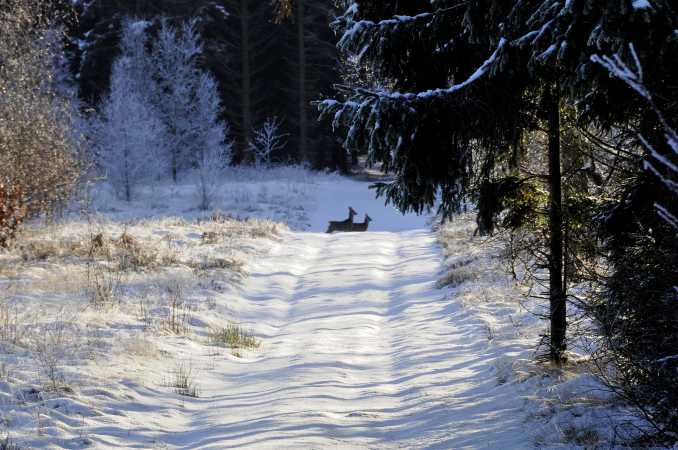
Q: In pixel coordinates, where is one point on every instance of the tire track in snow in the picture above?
(324, 376)
(360, 350)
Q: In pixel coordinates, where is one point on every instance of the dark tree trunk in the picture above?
(174, 165)
(557, 297)
(303, 102)
(246, 74)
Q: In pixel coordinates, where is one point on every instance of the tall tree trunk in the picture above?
(557, 297)
(246, 77)
(174, 165)
(301, 48)
(128, 189)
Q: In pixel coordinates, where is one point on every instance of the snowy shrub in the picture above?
(267, 141)
(38, 149)
(52, 344)
(209, 263)
(12, 329)
(103, 285)
(456, 277)
(132, 255)
(40, 250)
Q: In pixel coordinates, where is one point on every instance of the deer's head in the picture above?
(352, 212)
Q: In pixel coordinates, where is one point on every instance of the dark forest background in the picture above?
(264, 67)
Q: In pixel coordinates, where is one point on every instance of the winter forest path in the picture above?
(360, 350)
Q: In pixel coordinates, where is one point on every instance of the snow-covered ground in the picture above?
(355, 342)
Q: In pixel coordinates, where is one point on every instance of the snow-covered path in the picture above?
(360, 350)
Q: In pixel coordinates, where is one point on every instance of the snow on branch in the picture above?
(618, 68)
(361, 36)
(659, 164)
(479, 73)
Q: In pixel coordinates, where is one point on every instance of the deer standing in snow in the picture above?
(362, 226)
(343, 225)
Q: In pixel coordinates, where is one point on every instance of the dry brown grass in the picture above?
(219, 227)
(12, 326)
(209, 263)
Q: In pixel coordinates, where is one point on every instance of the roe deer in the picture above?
(362, 226)
(343, 225)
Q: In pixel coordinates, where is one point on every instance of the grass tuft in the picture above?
(7, 444)
(182, 380)
(235, 337)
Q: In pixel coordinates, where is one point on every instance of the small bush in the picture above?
(210, 237)
(222, 226)
(11, 329)
(47, 249)
(103, 285)
(179, 313)
(51, 345)
(234, 337)
(457, 277)
(211, 263)
(38, 147)
(40, 250)
(100, 247)
(132, 255)
(182, 379)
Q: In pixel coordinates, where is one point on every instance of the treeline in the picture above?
(558, 120)
(265, 69)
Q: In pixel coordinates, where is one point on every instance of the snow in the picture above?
(641, 4)
(360, 345)
(333, 204)
(222, 10)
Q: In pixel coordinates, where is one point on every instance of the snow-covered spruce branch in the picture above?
(377, 118)
(617, 67)
(668, 174)
(360, 38)
(385, 94)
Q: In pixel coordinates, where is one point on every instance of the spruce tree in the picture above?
(455, 78)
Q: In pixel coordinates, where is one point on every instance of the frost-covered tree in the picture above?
(174, 59)
(267, 141)
(210, 163)
(128, 133)
(211, 150)
(175, 105)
